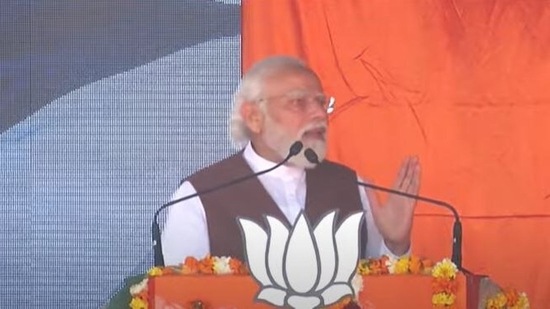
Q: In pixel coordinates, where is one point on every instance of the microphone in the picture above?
(456, 258)
(155, 229)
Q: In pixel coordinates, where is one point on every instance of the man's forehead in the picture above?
(292, 80)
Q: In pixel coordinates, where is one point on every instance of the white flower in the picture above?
(138, 287)
(390, 264)
(221, 265)
(302, 268)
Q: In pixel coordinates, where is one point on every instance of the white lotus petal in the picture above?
(304, 302)
(347, 246)
(278, 237)
(255, 241)
(272, 295)
(335, 292)
(324, 238)
(301, 260)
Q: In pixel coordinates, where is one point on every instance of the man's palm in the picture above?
(394, 218)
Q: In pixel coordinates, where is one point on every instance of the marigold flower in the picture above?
(401, 266)
(363, 267)
(379, 266)
(512, 296)
(445, 269)
(237, 267)
(190, 266)
(138, 303)
(206, 265)
(496, 302)
(155, 271)
(443, 299)
(508, 299)
(523, 302)
(415, 265)
(440, 285)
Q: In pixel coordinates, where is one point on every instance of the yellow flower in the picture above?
(363, 268)
(497, 302)
(401, 266)
(154, 271)
(138, 303)
(443, 299)
(501, 301)
(444, 270)
(523, 302)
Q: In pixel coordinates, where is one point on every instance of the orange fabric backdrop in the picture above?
(463, 84)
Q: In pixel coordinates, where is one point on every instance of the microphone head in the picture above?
(311, 156)
(295, 148)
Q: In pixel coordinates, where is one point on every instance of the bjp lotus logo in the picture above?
(303, 267)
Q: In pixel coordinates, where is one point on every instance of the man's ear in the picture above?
(253, 116)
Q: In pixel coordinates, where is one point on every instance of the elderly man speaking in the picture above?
(280, 100)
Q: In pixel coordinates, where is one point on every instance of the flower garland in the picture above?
(215, 266)
(443, 273)
(443, 284)
(210, 265)
(508, 299)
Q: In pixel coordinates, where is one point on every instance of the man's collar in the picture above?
(258, 163)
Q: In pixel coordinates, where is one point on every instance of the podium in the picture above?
(379, 291)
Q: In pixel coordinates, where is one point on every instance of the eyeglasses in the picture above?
(301, 101)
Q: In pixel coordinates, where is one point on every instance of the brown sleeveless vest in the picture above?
(329, 186)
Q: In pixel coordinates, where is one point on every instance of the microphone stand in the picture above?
(456, 257)
(155, 229)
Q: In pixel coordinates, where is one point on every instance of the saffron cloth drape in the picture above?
(463, 84)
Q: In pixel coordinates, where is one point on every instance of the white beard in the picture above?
(276, 139)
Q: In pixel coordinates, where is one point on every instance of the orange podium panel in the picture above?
(382, 291)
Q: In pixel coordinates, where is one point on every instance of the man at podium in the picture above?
(279, 101)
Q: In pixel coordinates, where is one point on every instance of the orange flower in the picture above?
(379, 266)
(237, 267)
(444, 286)
(190, 266)
(415, 265)
(512, 296)
(206, 265)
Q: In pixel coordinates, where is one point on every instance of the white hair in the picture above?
(250, 90)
